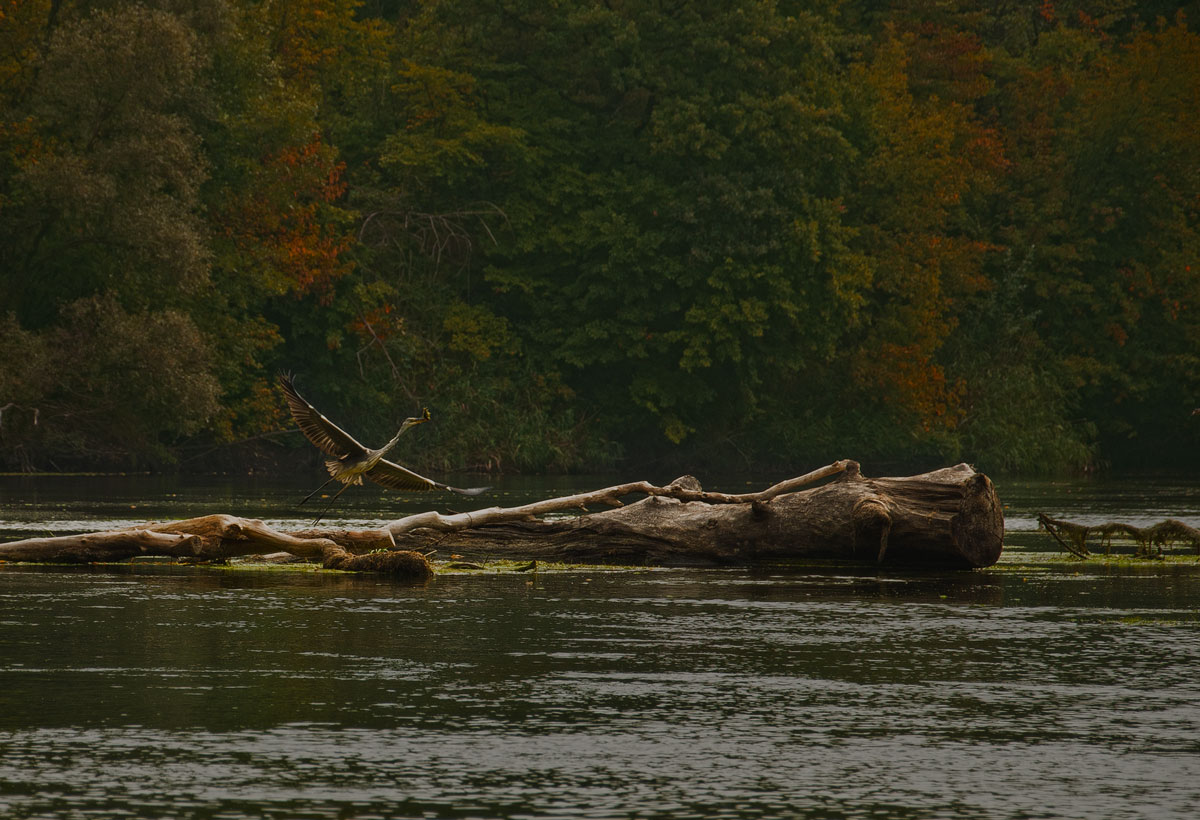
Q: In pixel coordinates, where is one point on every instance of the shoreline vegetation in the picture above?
(591, 236)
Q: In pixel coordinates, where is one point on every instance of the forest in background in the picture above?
(725, 234)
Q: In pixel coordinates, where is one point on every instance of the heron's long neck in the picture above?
(396, 438)
(385, 448)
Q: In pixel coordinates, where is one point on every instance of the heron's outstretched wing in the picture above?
(323, 433)
(395, 477)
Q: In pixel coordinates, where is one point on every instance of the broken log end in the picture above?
(978, 527)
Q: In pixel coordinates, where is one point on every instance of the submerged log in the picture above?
(946, 518)
(1152, 541)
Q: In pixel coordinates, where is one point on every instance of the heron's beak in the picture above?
(411, 422)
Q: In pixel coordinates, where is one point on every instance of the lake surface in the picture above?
(1039, 688)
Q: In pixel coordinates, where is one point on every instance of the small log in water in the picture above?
(218, 537)
(1151, 541)
(946, 518)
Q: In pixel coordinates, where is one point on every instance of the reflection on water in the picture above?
(1021, 691)
(205, 693)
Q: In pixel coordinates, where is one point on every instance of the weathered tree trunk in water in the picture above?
(947, 518)
(216, 537)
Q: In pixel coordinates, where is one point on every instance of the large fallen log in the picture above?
(947, 518)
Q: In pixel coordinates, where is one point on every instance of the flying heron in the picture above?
(350, 460)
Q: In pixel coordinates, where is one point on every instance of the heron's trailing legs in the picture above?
(314, 492)
(330, 504)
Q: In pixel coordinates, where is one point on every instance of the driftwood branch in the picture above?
(682, 489)
(1151, 541)
(220, 537)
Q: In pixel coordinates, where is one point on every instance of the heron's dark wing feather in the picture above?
(394, 477)
(323, 433)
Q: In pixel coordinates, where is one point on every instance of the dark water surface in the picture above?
(1029, 690)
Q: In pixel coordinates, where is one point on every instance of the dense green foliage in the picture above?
(733, 232)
